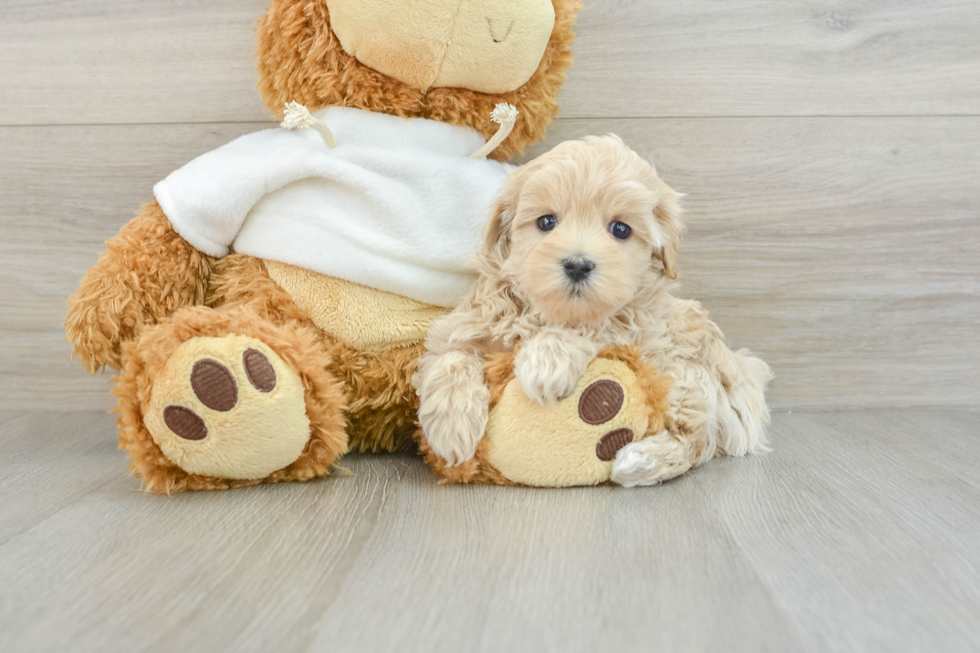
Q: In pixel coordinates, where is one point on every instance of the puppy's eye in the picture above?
(620, 230)
(547, 222)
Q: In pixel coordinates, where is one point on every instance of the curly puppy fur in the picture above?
(301, 59)
(525, 296)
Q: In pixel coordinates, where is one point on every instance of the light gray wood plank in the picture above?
(845, 538)
(841, 250)
(128, 61)
(562, 571)
(136, 61)
(51, 460)
(853, 523)
(656, 58)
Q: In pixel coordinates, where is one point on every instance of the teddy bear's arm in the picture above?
(146, 273)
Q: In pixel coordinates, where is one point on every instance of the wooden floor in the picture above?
(859, 532)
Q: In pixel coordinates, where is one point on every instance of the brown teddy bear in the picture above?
(266, 311)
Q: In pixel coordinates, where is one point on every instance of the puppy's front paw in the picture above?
(650, 461)
(551, 363)
(635, 464)
(454, 406)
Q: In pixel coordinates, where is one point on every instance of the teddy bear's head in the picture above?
(446, 60)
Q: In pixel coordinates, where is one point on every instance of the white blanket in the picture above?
(397, 206)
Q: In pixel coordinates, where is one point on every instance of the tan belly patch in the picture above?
(364, 318)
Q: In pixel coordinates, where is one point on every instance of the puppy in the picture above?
(580, 253)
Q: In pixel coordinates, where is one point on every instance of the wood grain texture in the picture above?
(861, 497)
(843, 251)
(134, 61)
(656, 58)
(858, 533)
(128, 61)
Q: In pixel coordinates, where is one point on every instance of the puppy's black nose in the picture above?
(577, 268)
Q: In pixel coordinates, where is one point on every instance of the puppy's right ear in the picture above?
(496, 235)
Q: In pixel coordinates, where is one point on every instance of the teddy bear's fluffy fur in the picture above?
(150, 289)
(525, 297)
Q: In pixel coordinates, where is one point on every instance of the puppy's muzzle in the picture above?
(578, 268)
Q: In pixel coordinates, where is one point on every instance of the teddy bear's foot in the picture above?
(228, 407)
(617, 401)
(227, 410)
(574, 441)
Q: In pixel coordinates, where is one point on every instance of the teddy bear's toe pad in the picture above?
(574, 441)
(229, 408)
(600, 402)
(214, 385)
(184, 423)
(612, 442)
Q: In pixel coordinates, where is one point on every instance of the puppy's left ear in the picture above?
(668, 214)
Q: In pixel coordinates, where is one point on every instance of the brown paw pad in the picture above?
(184, 423)
(612, 442)
(600, 402)
(214, 385)
(259, 370)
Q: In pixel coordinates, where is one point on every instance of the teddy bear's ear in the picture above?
(668, 214)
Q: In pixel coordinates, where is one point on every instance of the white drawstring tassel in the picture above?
(299, 117)
(504, 115)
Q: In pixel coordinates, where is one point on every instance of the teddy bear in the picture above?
(266, 310)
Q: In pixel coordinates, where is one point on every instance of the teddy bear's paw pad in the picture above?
(214, 385)
(261, 373)
(228, 408)
(184, 423)
(612, 442)
(574, 441)
(600, 402)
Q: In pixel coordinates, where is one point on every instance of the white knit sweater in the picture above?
(397, 206)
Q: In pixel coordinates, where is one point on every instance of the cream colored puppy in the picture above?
(579, 254)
